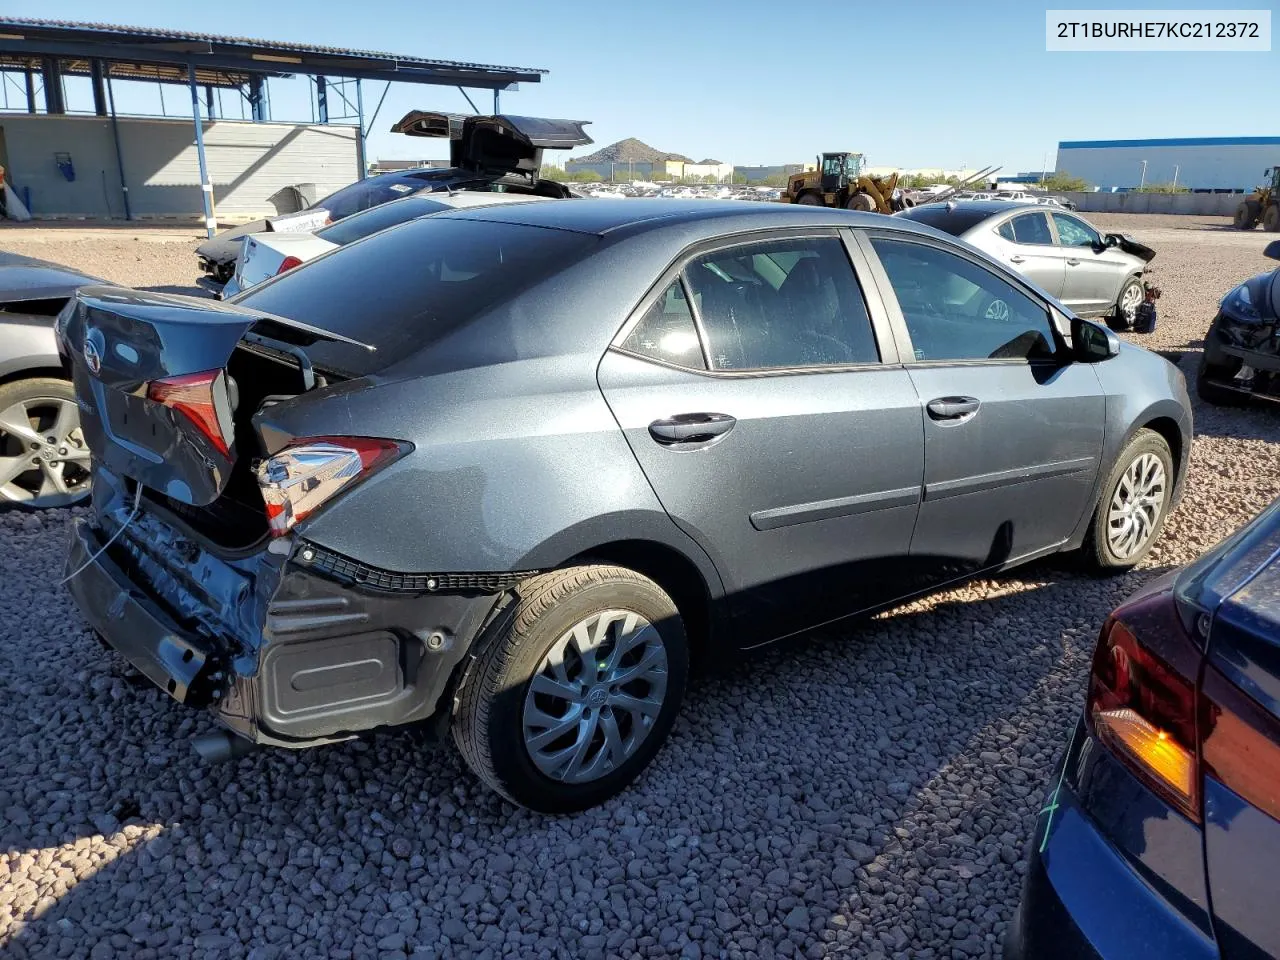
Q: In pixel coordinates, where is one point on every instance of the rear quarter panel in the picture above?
(516, 467)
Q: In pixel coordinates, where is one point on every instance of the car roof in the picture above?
(990, 207)
(473, 198)
(638, 215)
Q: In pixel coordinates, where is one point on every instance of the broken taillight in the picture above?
(200, 397)
(288, 263)
(305, 475)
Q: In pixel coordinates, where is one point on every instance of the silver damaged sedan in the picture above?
(1094, 274)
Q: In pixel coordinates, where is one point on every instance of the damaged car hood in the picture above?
(1131, 246)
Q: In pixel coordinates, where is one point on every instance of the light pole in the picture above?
(1143, 182)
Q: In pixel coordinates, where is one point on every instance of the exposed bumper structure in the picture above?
(282, 653)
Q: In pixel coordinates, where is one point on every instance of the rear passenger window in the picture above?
(1006, 230)
(781, 304)
(667, 332)
(1032, 228)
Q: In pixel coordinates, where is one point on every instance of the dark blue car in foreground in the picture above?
(1160, 836)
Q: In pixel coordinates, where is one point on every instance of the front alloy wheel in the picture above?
(570, 697)
(1136, 505)
(1135, 501)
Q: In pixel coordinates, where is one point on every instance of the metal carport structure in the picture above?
(50, 50)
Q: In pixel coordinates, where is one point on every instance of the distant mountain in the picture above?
(630, 150)
(709, 161)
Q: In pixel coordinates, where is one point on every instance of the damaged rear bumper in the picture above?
(283, 653)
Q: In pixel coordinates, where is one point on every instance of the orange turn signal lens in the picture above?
(1151, 748)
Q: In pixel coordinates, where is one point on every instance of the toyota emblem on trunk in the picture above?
(92, 358)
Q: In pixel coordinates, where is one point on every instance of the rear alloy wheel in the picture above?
(44, 460)
(1135, 500)
(569, 702)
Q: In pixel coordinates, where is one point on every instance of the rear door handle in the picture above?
(1017, 259)
(952, 408)
(691, 427)
(1073, 263)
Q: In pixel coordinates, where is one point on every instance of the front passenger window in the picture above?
(1075, 233)
(957, 310)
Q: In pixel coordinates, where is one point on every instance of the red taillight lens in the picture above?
(195, 396)
(288, 263)
(306, 474)
(1240, 743)
(1144, 709)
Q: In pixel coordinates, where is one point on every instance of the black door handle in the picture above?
(952, 408)
(691, 427)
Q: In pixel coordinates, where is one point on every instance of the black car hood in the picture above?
(26, 278)
(1132, 246)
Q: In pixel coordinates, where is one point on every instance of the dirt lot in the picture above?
(868, 792)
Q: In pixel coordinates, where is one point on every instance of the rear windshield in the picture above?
(955, 220)
(364, 194)
(379, 218)
(410, 285)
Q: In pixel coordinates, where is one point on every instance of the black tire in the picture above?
(1121, 319)
(861, 201)
(488, 719)
(810, 200)
(1271, 218)
(42, 396)
(1211, 392)
(1097, 549)
(1247, 215)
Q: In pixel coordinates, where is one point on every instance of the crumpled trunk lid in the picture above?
(118, 342)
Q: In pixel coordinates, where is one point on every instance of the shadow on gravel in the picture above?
(868, 789)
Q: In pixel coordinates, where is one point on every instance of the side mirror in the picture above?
(1111, 240)
(1092, 342)
(1272, 250)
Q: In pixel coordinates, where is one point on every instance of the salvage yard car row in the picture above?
(359, 459)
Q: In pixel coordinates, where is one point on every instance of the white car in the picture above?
(264, 255)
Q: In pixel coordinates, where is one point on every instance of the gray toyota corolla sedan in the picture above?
(509, 469)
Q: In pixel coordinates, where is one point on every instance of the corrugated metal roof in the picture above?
(26, 29)
(1171, 142)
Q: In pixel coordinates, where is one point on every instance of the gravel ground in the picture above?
(867, 793)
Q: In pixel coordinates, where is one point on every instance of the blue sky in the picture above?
(754, 82)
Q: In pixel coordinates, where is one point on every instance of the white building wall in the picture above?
(1201, 163)
(248, 162)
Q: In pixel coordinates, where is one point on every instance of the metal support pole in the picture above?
(210, 107)
(322, 100)
(31, 91)
(53, 99)
(496, 109)
(257, 99)
(360, 132)
(97, 71)
(206, 188)
(115, 136)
